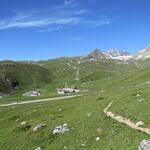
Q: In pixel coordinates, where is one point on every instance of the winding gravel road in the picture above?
(40, 100)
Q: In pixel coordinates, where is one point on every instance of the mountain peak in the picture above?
(96, 51)
(97, 54)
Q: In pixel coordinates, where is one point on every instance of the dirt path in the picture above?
(126, 121)
(40, 100)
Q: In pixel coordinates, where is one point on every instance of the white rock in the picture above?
(97, 138)
(57, 130)
(61, 129)
(138, 95)
(65, 125)
(144, 145)
(39, 127)
(23, 123)
(83, 145)
(65, 147)
(142, 99)
(38, 148)
(88, 115)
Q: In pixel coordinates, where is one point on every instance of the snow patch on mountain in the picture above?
(119, 54)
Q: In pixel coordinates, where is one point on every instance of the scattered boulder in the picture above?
(97, 139)
(61, 129)
(25, 126)
(39, 127)
(23, 123)
(38, 148)
(138, 95)
(32, 93)
(141, 99)
(144, 145)
(83, 145)
(88, 114)
(65, 147)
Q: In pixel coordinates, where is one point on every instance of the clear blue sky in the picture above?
(44, 29)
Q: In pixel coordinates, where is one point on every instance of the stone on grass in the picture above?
(61, 129)
(138, 94)
(38, 148)
(88, 115)
(23, 123)
(39, 127)
(97, 138)
(65, 147)
(83, 145)
(141, 99)
(25, 126)
(144, 145)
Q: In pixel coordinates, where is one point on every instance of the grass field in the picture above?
(83, 128)
(85, 117)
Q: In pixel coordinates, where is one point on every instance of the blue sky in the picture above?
(45, 29)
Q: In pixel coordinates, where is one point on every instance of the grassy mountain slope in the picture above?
(84, 128)
(106, 81)
(19, 76)
(69, 69)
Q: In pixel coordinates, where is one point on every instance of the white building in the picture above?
(67, 90)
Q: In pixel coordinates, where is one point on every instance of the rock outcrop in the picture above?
(144, 145)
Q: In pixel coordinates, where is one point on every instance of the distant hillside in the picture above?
(18, 76)
(82, 69)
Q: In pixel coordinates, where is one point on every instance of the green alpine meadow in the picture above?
(100, 81)
(74, 75)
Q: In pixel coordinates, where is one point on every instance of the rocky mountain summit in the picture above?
(111, 54)
(98, 54)
(119, 54)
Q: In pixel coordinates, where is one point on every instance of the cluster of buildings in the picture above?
(67, 90)
(60, 91)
